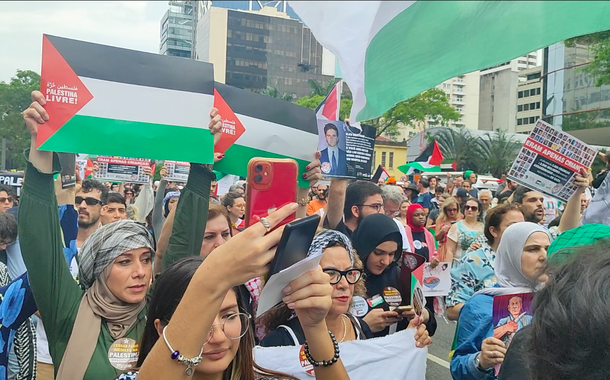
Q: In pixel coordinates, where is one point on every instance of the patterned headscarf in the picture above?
(106, 244)
(328, 237)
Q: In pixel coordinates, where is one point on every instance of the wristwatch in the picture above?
(477, 363)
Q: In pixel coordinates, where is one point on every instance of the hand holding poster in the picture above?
(177, 171)
(122, 169)
(346, 150)
(550, 160)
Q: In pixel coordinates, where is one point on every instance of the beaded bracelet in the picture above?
(325, 363)
(189, 363)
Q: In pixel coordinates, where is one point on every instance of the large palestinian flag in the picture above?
(428, 161)
(255, 125)
(390, 51)
(118, 102)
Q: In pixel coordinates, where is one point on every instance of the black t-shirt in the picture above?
(419, 240)
(281, 337)
(341, 227)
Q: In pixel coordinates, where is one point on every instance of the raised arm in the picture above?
(571, 215)
(157, 217)
(336, 202)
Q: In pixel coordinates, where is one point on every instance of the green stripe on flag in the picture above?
(95, 135)
(237, 157)
(421, 166)
(432, 41)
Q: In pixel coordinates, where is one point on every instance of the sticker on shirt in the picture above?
(359, 307)
(392, 297)
(417, 244)
(305, 364)
(123, 354)
(375, 301)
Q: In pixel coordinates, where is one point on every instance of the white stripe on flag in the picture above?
(154, 105)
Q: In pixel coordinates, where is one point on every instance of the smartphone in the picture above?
(271, 184)
(68, 169)
(401, 309)
(294, 243)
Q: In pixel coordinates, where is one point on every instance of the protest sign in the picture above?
(437, 280)
(393, 356)
(13, 179)
(177, 171)
(84, 165)
(549, 161)
(122, 169)
(511, 313)
(255, 125)
(118, 102)
(347, 151)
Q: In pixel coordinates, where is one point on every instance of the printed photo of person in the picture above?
(511, 313)
(333, 158)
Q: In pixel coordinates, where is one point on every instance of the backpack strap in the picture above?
(292, 334)
(356, 323)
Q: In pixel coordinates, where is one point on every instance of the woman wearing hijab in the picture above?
(420, 238)
(379, 245)
(519, 261)
(86, 325)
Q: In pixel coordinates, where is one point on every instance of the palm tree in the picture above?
(319, 89)
(273, 92)
(459, 145)
(499, 151)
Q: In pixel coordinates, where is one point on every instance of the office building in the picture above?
(463, 94)
(282, 6)
(178, 29)
(256, 49)
(529, 99)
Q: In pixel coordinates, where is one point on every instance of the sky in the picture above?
(126, 24)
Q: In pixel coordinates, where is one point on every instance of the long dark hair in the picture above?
(167, 293)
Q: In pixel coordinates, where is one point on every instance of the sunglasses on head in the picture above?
(89, 201)
(473, 208)
(3, 199)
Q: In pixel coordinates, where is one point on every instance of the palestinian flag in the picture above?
(330, 106)
(428, 161)
(380, 174)
(118, 102)
(255, 125)
(390, 51)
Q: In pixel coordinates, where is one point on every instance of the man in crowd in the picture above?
(485, 197)
(392, 198)
(319, 202)
(213, 198)
(531, 203)
(89, 201)
(424, 198)
(348, 205)
(457, 182)
(506, 192)
(333, 159)
(7, 198)
(114, 209)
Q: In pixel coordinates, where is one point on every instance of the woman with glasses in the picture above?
(450, 214)
(345, 270)
(379, 244)
(198, 327)
(462, 234)
(236, 207)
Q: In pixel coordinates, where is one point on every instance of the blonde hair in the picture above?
(449, 201)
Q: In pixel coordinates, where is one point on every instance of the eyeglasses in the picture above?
(451, 210)
(376, 206)
(234, 326)
(473, 208)
(351, 275)
(89, 201)
(2, 199)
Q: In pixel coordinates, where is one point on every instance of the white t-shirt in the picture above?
(405, 241)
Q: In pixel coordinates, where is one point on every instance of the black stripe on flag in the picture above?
(120, 65)
(269, 109)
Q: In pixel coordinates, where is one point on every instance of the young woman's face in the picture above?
(471, 209)
(171, 203)
(403, 209)
(130, 275)
(466, 186)
(238, 209)
(534, 256)
(217, 232)
(381, 257)
(419, 217)
(337, 258)
(451, 210)
(432, 182)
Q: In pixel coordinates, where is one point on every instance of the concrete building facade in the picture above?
(529, 99)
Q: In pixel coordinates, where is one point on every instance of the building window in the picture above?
(519, 108)
(538, 91)
(391, 160)
(520, 94)
(519, 122)
(537, 105)
(532, 106)
(532, 120)
(446, 85)
(526, 107)
(383, 159)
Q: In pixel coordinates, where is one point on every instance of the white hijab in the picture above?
(508, 271)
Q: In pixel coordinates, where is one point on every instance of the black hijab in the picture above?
(373, 230)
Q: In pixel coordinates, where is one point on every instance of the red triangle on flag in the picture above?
(88, 168)
(454, 165)
(232, 128)
(64, 92)
(329, 109)
(437, 156)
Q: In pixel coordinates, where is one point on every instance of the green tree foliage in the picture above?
(14, 99)
(492, 154)
(319, 89)
(600, 45)
(273, 92)
(313, 102)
